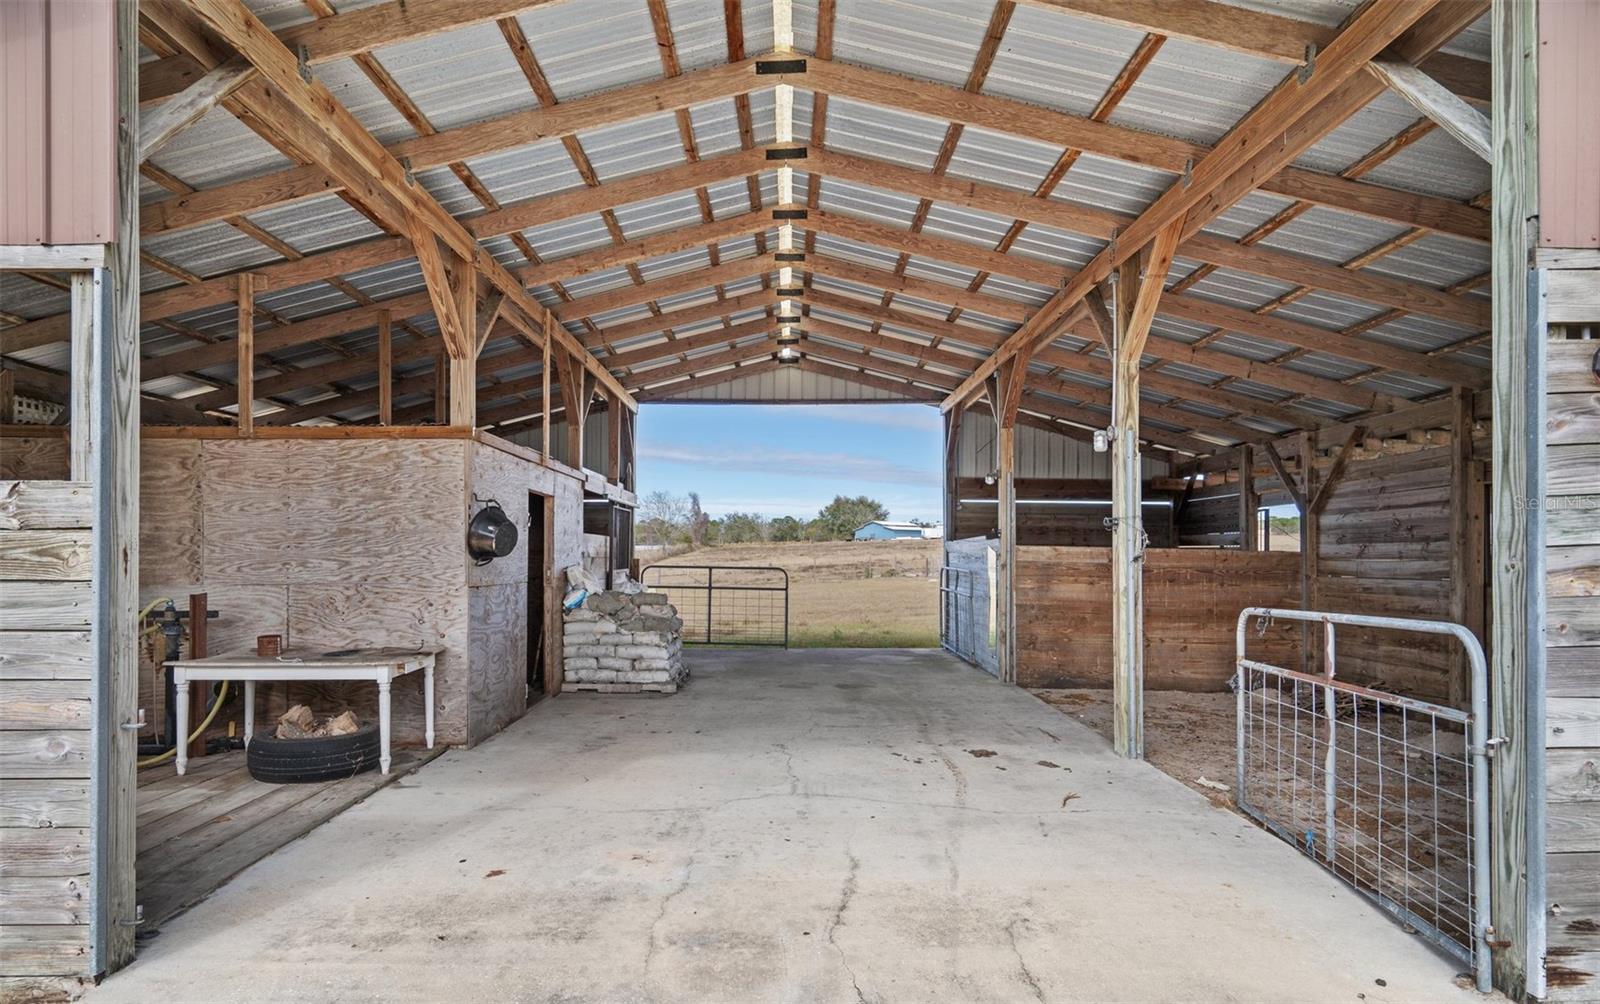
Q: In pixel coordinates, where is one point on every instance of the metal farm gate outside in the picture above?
(726, 604)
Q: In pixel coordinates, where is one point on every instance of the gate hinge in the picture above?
(136, 725)
(138, 917)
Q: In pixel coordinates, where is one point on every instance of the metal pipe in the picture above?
(1330, 762)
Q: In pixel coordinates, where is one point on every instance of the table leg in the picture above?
(180, 686)
(427, 693)
(249, 711)
(383, 725)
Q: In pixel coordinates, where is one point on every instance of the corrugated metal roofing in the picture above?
(1048, 58)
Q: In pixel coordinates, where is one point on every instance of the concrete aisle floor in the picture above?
(793, 826)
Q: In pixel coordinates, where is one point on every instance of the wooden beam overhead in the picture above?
(1469, 126)
(860, 83)
(160, 125)
(942, 101)
(231, 20)
(245, 348)
(1367, 34)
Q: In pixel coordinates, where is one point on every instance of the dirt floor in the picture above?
(1401, 784)
(848, 594)
(1187, 736)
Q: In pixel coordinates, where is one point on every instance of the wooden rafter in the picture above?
(1367, 34)
(859, 83)
(1428, 96)
(379, 177)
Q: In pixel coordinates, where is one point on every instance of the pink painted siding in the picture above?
(58, 117)
(1569, 124)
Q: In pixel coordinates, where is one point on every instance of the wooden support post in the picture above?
(1310, 534)
(441, 388)
(1249, 501)
(1461, 538)
(80, 397)
(8, 397)
(464, 354)
(1516, 673)
(1140, 281)
(1005, 448)
(385, 369)
(245, 381)
(544, 404)
(198, 696)
(116, 532)
(1127, 580)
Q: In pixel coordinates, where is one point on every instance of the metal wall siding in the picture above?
(1040, 453)
(58, 116)
(1569, 125)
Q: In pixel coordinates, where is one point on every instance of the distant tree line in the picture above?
(671, 520)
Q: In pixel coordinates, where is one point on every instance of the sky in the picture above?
(791, 460)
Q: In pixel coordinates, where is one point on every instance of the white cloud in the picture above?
(794, 463)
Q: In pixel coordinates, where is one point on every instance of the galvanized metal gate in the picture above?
(1388, 792)
(957, 623)
(726, 604)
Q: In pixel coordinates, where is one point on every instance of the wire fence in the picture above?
(726, 604)
(1385, 791)
(956, 622)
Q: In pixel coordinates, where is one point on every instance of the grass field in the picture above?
(850, 594)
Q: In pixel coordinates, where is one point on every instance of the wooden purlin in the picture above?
(1252, 144)
(384, 178)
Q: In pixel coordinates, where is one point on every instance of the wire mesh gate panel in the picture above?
(956, 621)
(726, 604)
(1387, 792)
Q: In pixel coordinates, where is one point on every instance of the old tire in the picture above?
(303, 761)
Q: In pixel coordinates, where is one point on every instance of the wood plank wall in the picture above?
(1384, 549)
(46, 716)
(1192, 598)
(1572, 702)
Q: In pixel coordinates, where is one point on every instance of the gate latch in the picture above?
(1490, 744)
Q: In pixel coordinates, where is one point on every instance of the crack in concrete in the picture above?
(788, 768)
(1022, 964)
(661, 913)
(846, 894)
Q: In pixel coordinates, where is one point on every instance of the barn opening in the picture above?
(307, 306)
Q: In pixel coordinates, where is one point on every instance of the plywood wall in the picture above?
(331, 544)
(499, 630)
(1192, 599)
(46, 717)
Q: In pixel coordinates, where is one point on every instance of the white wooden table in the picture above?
(379, 665)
